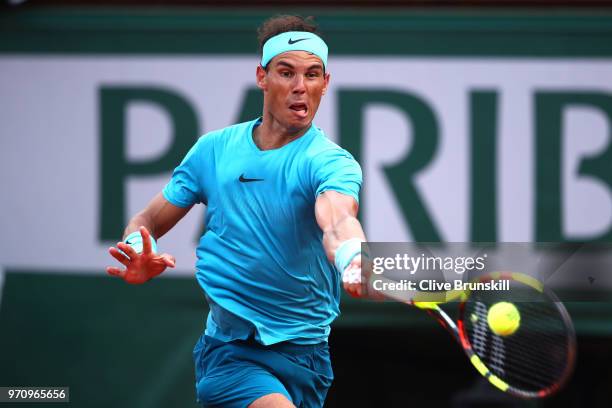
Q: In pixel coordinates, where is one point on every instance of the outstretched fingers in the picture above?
(128, 250)
(113, 271)
(146, 240)
(118, 256)
(168, 259)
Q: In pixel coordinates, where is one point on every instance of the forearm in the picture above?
(342, 237)
(337, 216)
(158, 217)
(343, 245)
(345, 228)
(140, 219)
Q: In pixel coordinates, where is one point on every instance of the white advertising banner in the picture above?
(51, 157)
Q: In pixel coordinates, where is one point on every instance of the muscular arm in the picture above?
(159, 216)
(336, 215)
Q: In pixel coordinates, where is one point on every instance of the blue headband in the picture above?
(294, 41)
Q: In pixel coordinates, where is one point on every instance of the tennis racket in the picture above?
(536, 360)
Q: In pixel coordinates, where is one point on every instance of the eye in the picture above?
(285, 74)
(313, 74)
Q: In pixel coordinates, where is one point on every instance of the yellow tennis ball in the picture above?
(504, 318)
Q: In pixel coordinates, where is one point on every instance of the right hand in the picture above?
(139, 268)
(352, 279)
(356, 279)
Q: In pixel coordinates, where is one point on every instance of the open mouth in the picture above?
(299, 108)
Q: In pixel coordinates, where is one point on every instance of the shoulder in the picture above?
(238, 128)
(322, 150)
(224, 135)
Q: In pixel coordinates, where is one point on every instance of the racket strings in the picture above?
(531, 380)
(525, 370)
(480, 333)
(498, 356)
(530, 360)
(536, 356)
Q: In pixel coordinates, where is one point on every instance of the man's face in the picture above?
(293, 87)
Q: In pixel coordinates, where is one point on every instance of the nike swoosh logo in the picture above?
(298, 40)
(243, 179)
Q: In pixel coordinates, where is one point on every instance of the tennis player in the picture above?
(281, 234)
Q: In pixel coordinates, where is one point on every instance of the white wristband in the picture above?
(345, 253)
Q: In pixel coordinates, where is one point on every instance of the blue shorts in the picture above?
(236, 373)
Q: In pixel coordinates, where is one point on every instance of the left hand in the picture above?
(139, 268)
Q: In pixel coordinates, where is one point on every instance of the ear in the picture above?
(261, 78)
(326, 78)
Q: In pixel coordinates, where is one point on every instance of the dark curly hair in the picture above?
(283, 23)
